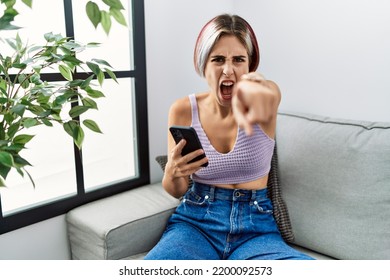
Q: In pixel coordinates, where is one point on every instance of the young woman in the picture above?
(226, 214)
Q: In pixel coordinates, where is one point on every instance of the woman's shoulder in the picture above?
(181, 105)
(180, 112)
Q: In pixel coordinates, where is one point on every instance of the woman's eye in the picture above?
(218, 59)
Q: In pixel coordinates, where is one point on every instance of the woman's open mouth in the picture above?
(227, 90)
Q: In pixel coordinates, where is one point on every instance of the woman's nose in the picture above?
(228, 69)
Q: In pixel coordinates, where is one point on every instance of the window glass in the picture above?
(109, 161)
(51, 155)
(35, 23)
(109, 157)
(115, 47)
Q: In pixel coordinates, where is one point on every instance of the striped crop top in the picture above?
(250, 158)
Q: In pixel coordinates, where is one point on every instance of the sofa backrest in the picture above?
(335, 180)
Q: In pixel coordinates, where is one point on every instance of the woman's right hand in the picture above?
(178, 169)
(179, 164)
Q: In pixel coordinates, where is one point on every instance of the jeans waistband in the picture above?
(228, 194)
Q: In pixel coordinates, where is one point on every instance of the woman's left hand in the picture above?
(255, 101)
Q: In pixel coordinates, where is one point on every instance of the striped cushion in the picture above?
(280, 209)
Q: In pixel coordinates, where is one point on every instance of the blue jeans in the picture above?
(213, 223)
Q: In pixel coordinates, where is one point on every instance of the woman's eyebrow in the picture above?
(222, 56)
(217, 56)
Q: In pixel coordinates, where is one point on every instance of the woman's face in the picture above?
(227, 62)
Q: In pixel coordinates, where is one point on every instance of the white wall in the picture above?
(46, 240)
(329, 57)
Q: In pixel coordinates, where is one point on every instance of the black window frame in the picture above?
(50, 210)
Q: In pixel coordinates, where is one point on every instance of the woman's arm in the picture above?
(177, 169)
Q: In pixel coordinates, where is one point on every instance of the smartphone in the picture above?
(189, 134)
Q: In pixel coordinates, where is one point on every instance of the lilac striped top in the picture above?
(250, 158)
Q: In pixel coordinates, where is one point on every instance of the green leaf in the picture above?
(22, 79)
(92, 125)
(8, 16)
(34, 48)
(101, 61)
(72, 46)
(77, 111)
(114, 4)
(69, 127)
(93, 13)
(30, 177)
(100, 77)
(47, 122)
(3, 83)
(88, 102)
(3, 142)
(6, 25)
(19, 43)
(78, 136)
(36, 79)
(75, 131)
(111, 74)
(9, 118)
(20, 162)
(22, 139)
(86, 82)
(2, 136)
(65, 72)
(60, 100)
(94, 93)
(11, 43)
(15, 148)
(19, 65)
(4, 170)
(72, 59)
(30, 122)
(2, 181)
(56, 57)
(75, 83)
(93, 44)
(13, 129)
(28, 3)
(6, 159)
(49, 36)
(94, 67)
(106, 21)
(43, 100)
(19, 109)
(117, 14)
(35, 109)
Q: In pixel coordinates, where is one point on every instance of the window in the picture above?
(109, 163)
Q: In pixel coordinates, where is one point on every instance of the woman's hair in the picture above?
(219, 26)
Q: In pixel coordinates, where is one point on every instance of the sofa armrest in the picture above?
(120, 226)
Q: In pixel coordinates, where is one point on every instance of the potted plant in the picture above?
(26, 100)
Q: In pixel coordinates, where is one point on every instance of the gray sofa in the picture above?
(334, 179)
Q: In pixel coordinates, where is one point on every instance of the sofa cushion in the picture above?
(335, 176)
(120, 226)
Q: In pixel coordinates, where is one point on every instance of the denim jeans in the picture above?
(213, 223)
